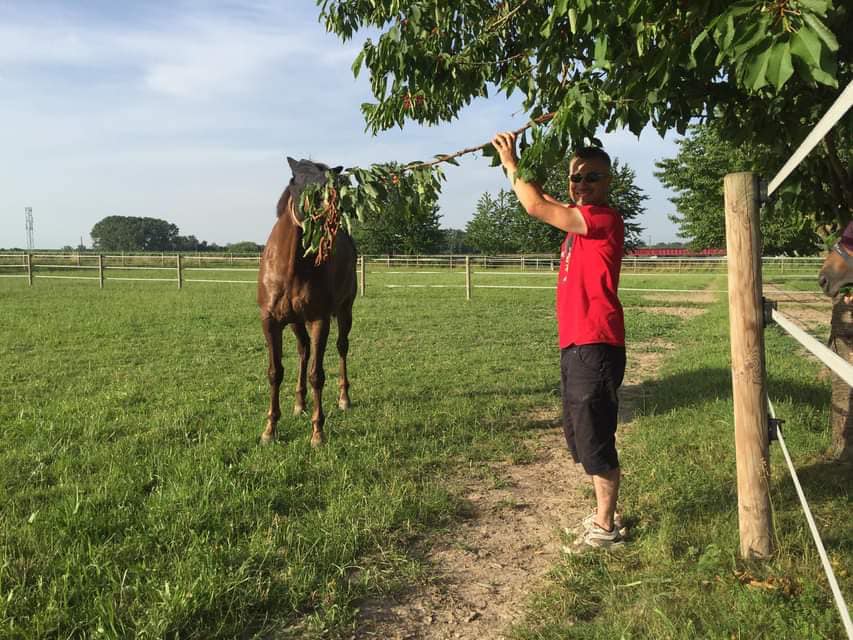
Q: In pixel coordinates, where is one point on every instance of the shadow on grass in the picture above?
(827, 479)
(695, 387)
(826, 485)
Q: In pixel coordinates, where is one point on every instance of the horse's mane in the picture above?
(283, 202)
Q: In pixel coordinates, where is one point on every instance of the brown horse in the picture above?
(293, 291)
(835, 274)
(837, 269)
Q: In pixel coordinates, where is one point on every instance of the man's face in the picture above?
(585, 192)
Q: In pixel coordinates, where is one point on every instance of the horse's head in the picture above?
(306, 172)
(837, 269)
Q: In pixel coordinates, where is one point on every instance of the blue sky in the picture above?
(186, 110)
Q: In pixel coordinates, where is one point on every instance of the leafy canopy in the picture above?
(765, 70)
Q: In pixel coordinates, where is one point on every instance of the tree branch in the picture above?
(444, 158)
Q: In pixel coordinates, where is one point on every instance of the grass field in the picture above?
(136, 503)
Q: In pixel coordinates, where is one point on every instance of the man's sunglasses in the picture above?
(592, 176)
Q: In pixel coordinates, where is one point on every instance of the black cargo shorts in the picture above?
(590, 376)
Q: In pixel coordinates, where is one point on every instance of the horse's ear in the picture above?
(337, 169)
(292, 163)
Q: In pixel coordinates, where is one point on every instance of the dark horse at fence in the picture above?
(293, 290)
(835, 274)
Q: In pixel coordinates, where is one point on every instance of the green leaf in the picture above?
(821, 30)
(740, 8)
(756, 70)
(806, 46)
(816, 6)
(452, 161)
(573, 20)
(750, 36)
(779, 67)
(356, 65)
(728, 32)
(821, 76)
(697, 42)
(601, 51)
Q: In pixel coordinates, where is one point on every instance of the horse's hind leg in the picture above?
(319, 332)
(303, 349)
(344, 326)
(275, 374)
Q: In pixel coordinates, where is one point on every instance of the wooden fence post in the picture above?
(101, 271)
(362, 271)
(467, 278)
(30, 269)
(746, 321)
(180, 273)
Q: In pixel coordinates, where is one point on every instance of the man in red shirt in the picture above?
(590, 323)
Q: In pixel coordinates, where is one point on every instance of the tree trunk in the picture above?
(841, 341)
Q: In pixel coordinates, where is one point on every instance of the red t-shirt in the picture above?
(588, 309)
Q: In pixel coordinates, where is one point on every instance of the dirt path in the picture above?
(812, 311)
(482, 571)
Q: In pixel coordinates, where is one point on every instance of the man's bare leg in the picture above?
(606, 487)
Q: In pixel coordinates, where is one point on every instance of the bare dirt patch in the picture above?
(812, 311)
(482, 570)
(681, 312)
(480, 573)
(702, 297)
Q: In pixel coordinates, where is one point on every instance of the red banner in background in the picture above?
(641, 252)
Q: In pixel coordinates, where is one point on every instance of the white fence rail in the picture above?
(130, 267)
(844, 370)
(837, 364)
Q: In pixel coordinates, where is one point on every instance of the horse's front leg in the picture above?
(303, 350)
(275, 374)
(344, 326)
(319, 332)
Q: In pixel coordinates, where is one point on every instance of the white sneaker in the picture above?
(587, 522)
(596, 538)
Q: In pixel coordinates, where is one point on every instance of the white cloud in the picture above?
(195, 56)
(187, 115)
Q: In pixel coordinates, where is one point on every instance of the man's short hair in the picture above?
(592, 153)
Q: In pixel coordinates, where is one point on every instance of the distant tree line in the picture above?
(499, 225)
(790, 223)
(132, 233)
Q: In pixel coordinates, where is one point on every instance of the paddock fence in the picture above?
(755, 417)
(416, 271)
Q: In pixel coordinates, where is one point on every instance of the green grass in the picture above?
(679, 578)
(136, 503)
